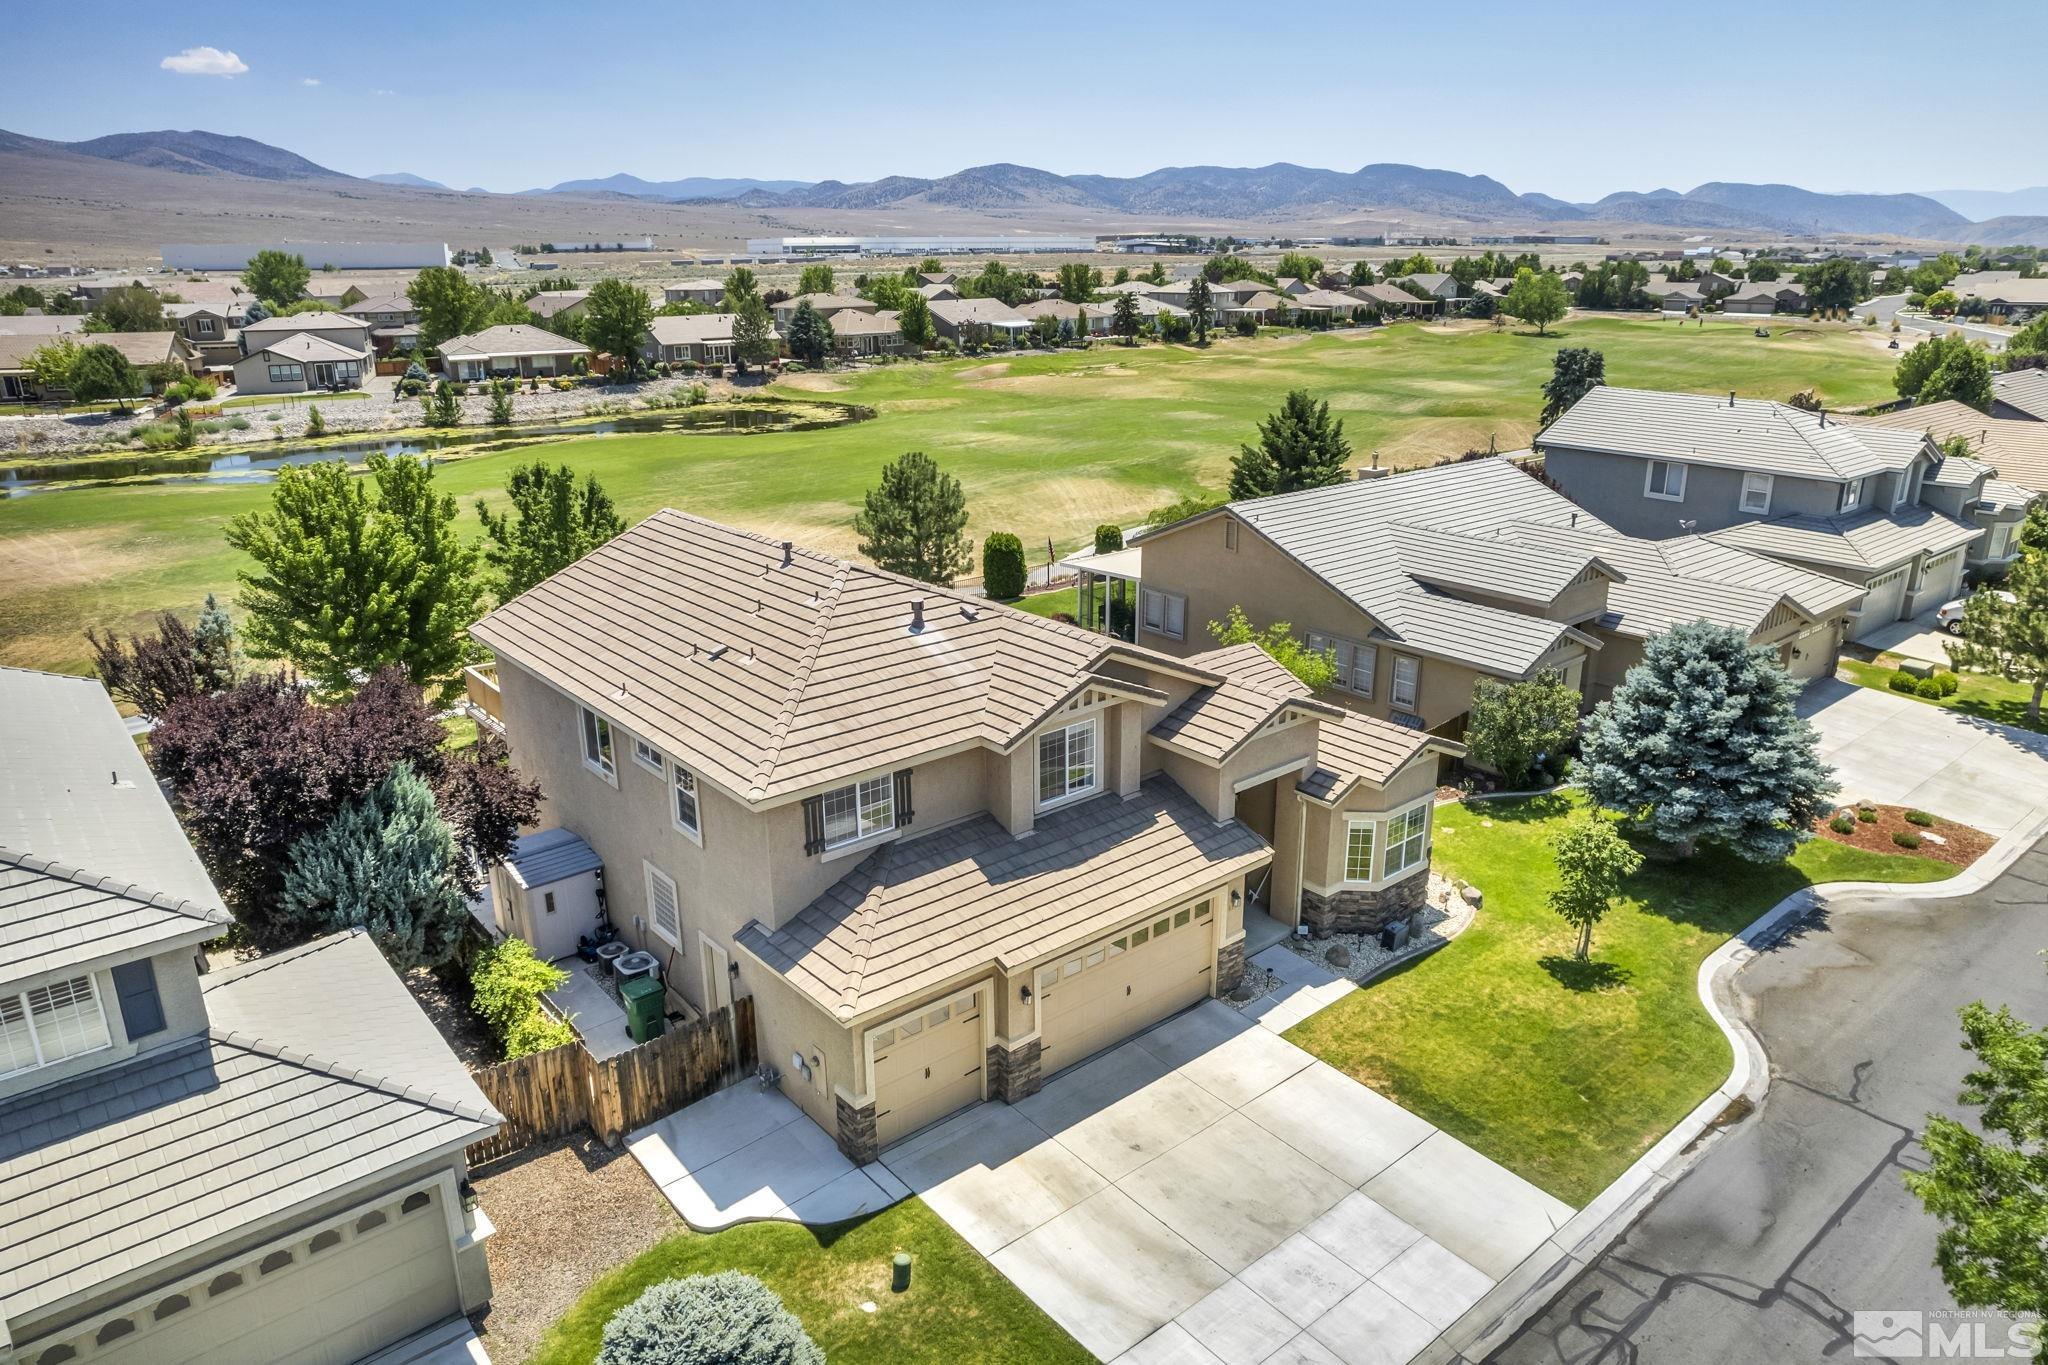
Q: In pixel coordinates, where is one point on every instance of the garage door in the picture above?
(926, 1066)
(1882, 600)
(1104, 993)
(349, 1291)
(1944, 579)
(1811, 654)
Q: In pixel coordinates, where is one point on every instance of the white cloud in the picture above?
(383, 92)
(309, 80)
(205, 61)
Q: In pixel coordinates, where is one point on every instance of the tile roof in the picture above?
(852, 322)
(1264, 301)
(2026, 390)
(1215, 721)
(307, 346)
(305, 322)
(1745, 433)
(2014, 446)
(963, 311)
(74, 790)
(42, 326)
(693, 329)
(918, 912)
(2028, 293)
(828, 303)
(696, 286)
(140, 348)
(1360, 536)
(381, 303)
(1863, 540)
(511, 339)
(1358, 748)
(776, 670)
(320, 1070)
(54, 917)
(549, 302)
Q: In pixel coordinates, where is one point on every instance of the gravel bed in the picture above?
(112, 432)
(457, 1023)
(1256, 984)
(1444, 915)
(566, 1211)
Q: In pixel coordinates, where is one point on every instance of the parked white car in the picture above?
(1950, 617)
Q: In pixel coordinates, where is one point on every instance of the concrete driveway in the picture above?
(1918, 638)
(1209, 1192)
(1898, 751)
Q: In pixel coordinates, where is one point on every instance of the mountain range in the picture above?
(1196, 195)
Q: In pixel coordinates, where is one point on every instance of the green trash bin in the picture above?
(645, 1017)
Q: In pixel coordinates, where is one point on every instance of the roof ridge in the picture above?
(279, 958)
(382, 1084)
(828, 606)
(50, 867)
(870, 904)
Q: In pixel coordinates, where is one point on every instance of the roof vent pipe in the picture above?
(916, 615)
(1731, 398)
(787, 553)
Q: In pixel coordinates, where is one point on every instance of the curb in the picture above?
(1533, 1285)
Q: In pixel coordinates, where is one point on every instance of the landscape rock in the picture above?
(1337, 955)
(1474, 897)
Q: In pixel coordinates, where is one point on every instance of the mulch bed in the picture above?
(566, 1211)
(1961, 844)
(457, 1022)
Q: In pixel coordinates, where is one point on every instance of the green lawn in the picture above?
(1976, 694)
(1565, 1072)
(1050, 603)
(958, 1306)
(1047, 446)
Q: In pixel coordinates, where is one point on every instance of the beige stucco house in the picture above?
(261, 1165)
(710, 293)
(703, 337)
(947, 847)
(512, 350)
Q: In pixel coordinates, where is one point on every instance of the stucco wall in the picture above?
(177, 984)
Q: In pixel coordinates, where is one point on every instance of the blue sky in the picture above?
(1572, 99)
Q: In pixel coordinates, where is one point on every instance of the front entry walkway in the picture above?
(1209, 1192)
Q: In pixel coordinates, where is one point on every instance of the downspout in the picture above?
(1300, 855)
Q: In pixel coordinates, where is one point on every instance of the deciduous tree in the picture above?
(1300, 446)
(1317, 670)
(279, 278)
(616, 317)
(1537, 296)
(2010, 638)
(449, 304)
(1963, 375)
(1078, 281)
(1703, 740)
(915, 322)
(1513, 726)
(1299, 265)
(753, 333)
(99, 372)
(742, 284)
(152, 671)
(1575, 371)
(1910, 375)
(131, 308)
(1592, 863)
(914, 523)
(814, 279)
(552, 524)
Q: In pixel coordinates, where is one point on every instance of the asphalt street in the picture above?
(1798, 1218)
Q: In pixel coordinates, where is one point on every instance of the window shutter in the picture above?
(903, 811)
(814, 825)
(142, 1009)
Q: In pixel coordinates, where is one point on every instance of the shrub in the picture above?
(1919, 817)
(1948, 683)
(723, 1319)
(1902, 681)
(1842, 823)
(506, 983)
(1867, 814)
(1109, 538)
(1905, 838)
(316, 425)
(1928, 687)
(1002, 565)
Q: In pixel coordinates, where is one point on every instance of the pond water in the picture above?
(256, 462)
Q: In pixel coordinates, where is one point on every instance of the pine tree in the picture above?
(1703, 739)
(1200, 310)
(1126, 320)
(385, 864)
(753, 333)
(2011, 638)
(1575, 371)
(552, 525)
(915, 522)
(1300, 446)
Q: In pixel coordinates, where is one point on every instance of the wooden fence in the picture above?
(549, 1094)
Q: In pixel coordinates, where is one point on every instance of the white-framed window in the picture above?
(203, 326)
(646, 755)
(1407, 681)
(1407, 840)
(682, 788)
(664, 911)
(49, 1023)
(1067, 767)
(1354, 661)
(1358, 841)
(1902, 485)
(597, 744)
(1230, 533)
(1756, 493)
(1852, 495)
(859, 809)
(1664, 479)
(1166, 613)
(286, 374)
(2001, 541)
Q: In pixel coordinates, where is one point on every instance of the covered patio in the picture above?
(1107, 595)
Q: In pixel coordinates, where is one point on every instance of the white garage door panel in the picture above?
(928, 1066)
(1882, 600)
(1811, 654)
(1944, 579)
(1103, 994)
(326, 1308)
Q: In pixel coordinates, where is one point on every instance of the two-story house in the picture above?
(1876, 506)
(947, 847)
(256, 1165)
(394, 321)
(303, 353)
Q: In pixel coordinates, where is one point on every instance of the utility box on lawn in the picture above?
(645, 1012)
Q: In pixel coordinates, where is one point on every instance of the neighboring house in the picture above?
(948, 848)
(709, 293)
(1391, 299)
(1098, 316)
(206, 324)
(1675, 296)
(33, 323)
(1572, 280)
(2020, 395)
(934, 292)
(350, 333)
(2016, 453)
(938, 277)
(823, 304)
(255, 1165)
(1131, 287)
(856, 332)
(303, 362)
(549, 304)
(1261, 307)
(1342, 306)
(703, 337)
(394, 322)
(142, 349)
(2011, 298)
(336, 294)
(1765, 296)
(1289, 287)
(1713, 283)
(511, 351)
(953, 316)
(1872, 505)
(17, 385)
(1441, 287)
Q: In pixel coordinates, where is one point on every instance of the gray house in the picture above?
(1879, 507)
(252, 1166)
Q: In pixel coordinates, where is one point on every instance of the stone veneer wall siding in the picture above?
(1229, 966)
(856, 1136)
(1013, 1073)
(1348, 911)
